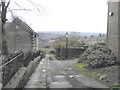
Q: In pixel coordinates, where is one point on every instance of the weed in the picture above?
(82, 68)
(115, 86)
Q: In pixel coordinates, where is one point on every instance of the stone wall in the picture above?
(0, 31)
(71, 53)
(113, 25)
(19, 37)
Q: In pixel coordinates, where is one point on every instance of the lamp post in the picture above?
(4, 48)
(66, 45)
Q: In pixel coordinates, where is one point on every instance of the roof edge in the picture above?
(17, 18)
(114, 1)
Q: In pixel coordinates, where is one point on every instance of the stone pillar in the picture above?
(113, 29)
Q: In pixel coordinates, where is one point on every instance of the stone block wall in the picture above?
(113, 29)
(0, 32)
(71, 53)
(18, 38)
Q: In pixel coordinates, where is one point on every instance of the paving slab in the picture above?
(61, 85)
(38, 76)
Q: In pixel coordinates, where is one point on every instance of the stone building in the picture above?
(0, 35)
(20, 37)
(113, 25)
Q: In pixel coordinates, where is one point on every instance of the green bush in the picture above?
(101, 43)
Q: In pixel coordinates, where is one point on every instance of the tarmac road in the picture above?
(64, 76)
(59, 74)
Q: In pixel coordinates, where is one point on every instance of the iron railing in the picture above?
(11, 67)
(30, 57)
(14, 63)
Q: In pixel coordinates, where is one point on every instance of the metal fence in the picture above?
(14, 63)
(30, 56)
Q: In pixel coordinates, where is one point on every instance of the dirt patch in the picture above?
(101, 63)
(107, 75)
(110, 75)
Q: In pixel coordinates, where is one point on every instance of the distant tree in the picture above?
(74, 35)
(92, 36)
(73, 43)
(59, 44)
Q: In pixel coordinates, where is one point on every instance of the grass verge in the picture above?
(81, 67)
(93, 74)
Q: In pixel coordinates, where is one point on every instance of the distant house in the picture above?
(93, 40)
(20, 37)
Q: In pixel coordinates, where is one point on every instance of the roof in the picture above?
(26, 25)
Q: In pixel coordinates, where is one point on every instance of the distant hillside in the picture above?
(47, 36)
(80, 33)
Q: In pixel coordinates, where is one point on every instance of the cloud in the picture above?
(70, 15)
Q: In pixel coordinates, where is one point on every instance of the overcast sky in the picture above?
(64, 15)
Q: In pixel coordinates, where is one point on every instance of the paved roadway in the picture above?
(59, 74)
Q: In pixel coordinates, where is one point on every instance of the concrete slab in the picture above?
(35, 82)
(38, 78)
(60, 85)
(59, 78)
(31, 86)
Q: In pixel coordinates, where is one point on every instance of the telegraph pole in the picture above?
(4, 48)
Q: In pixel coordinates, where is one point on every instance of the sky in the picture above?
(63, 15)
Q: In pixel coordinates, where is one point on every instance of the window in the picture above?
(110, 13)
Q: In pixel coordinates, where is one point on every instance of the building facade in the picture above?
(113, 28)
(0, 35)
(20, 37)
